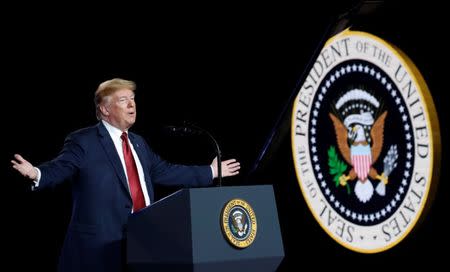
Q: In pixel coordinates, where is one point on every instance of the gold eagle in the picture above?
(344, 145)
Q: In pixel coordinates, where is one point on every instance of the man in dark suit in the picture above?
(112, 172)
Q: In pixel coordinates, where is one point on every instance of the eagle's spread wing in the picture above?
(376, 133)
(341, 137)
(235, 224)
(243, 221)
(233, 221)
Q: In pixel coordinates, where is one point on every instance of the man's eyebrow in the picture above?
(124, 96)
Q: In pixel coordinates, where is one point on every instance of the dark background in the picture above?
(231, 69)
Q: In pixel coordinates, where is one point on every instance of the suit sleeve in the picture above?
(64, 166)
(166, 173)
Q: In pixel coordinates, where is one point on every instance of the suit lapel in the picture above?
(112, 155)
(139, 148)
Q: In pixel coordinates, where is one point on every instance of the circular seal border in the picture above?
(433, 130)
(225, 223)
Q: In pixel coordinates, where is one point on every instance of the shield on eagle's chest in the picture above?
(361, 160)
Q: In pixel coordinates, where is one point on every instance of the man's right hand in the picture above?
(24, 167)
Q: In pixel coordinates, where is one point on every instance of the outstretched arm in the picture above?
(229, 168)
(61, 168)
(24, 167)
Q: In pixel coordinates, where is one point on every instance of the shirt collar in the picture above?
(112, 130)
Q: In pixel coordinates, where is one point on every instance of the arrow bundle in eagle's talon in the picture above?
(390, 162)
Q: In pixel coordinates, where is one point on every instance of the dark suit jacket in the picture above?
(101, 199)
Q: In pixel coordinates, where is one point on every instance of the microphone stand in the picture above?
(219, 155)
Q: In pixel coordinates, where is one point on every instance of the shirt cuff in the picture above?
(37, 180)
(212, 171)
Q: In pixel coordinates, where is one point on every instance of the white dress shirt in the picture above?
(115, 134)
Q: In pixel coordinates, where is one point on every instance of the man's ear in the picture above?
(104, 110)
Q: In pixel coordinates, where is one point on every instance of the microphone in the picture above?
(190, 129)
(183, 130)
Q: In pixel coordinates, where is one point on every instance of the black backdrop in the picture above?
(229, 69)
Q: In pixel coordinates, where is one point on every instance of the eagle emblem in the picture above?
(359, 126)
(364, 136)
(239, 223)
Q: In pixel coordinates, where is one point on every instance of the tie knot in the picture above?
(124, 136)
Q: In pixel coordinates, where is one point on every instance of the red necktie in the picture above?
(132, 173)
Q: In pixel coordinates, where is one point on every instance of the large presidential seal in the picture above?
(238, 223)
(365, 142)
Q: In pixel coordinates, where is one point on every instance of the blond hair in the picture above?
(107, 88)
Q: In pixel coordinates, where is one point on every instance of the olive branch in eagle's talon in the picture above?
(337, 169)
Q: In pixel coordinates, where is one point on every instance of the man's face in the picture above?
(122, 109)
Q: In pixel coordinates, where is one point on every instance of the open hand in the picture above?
(24, 167)
(229, 167)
